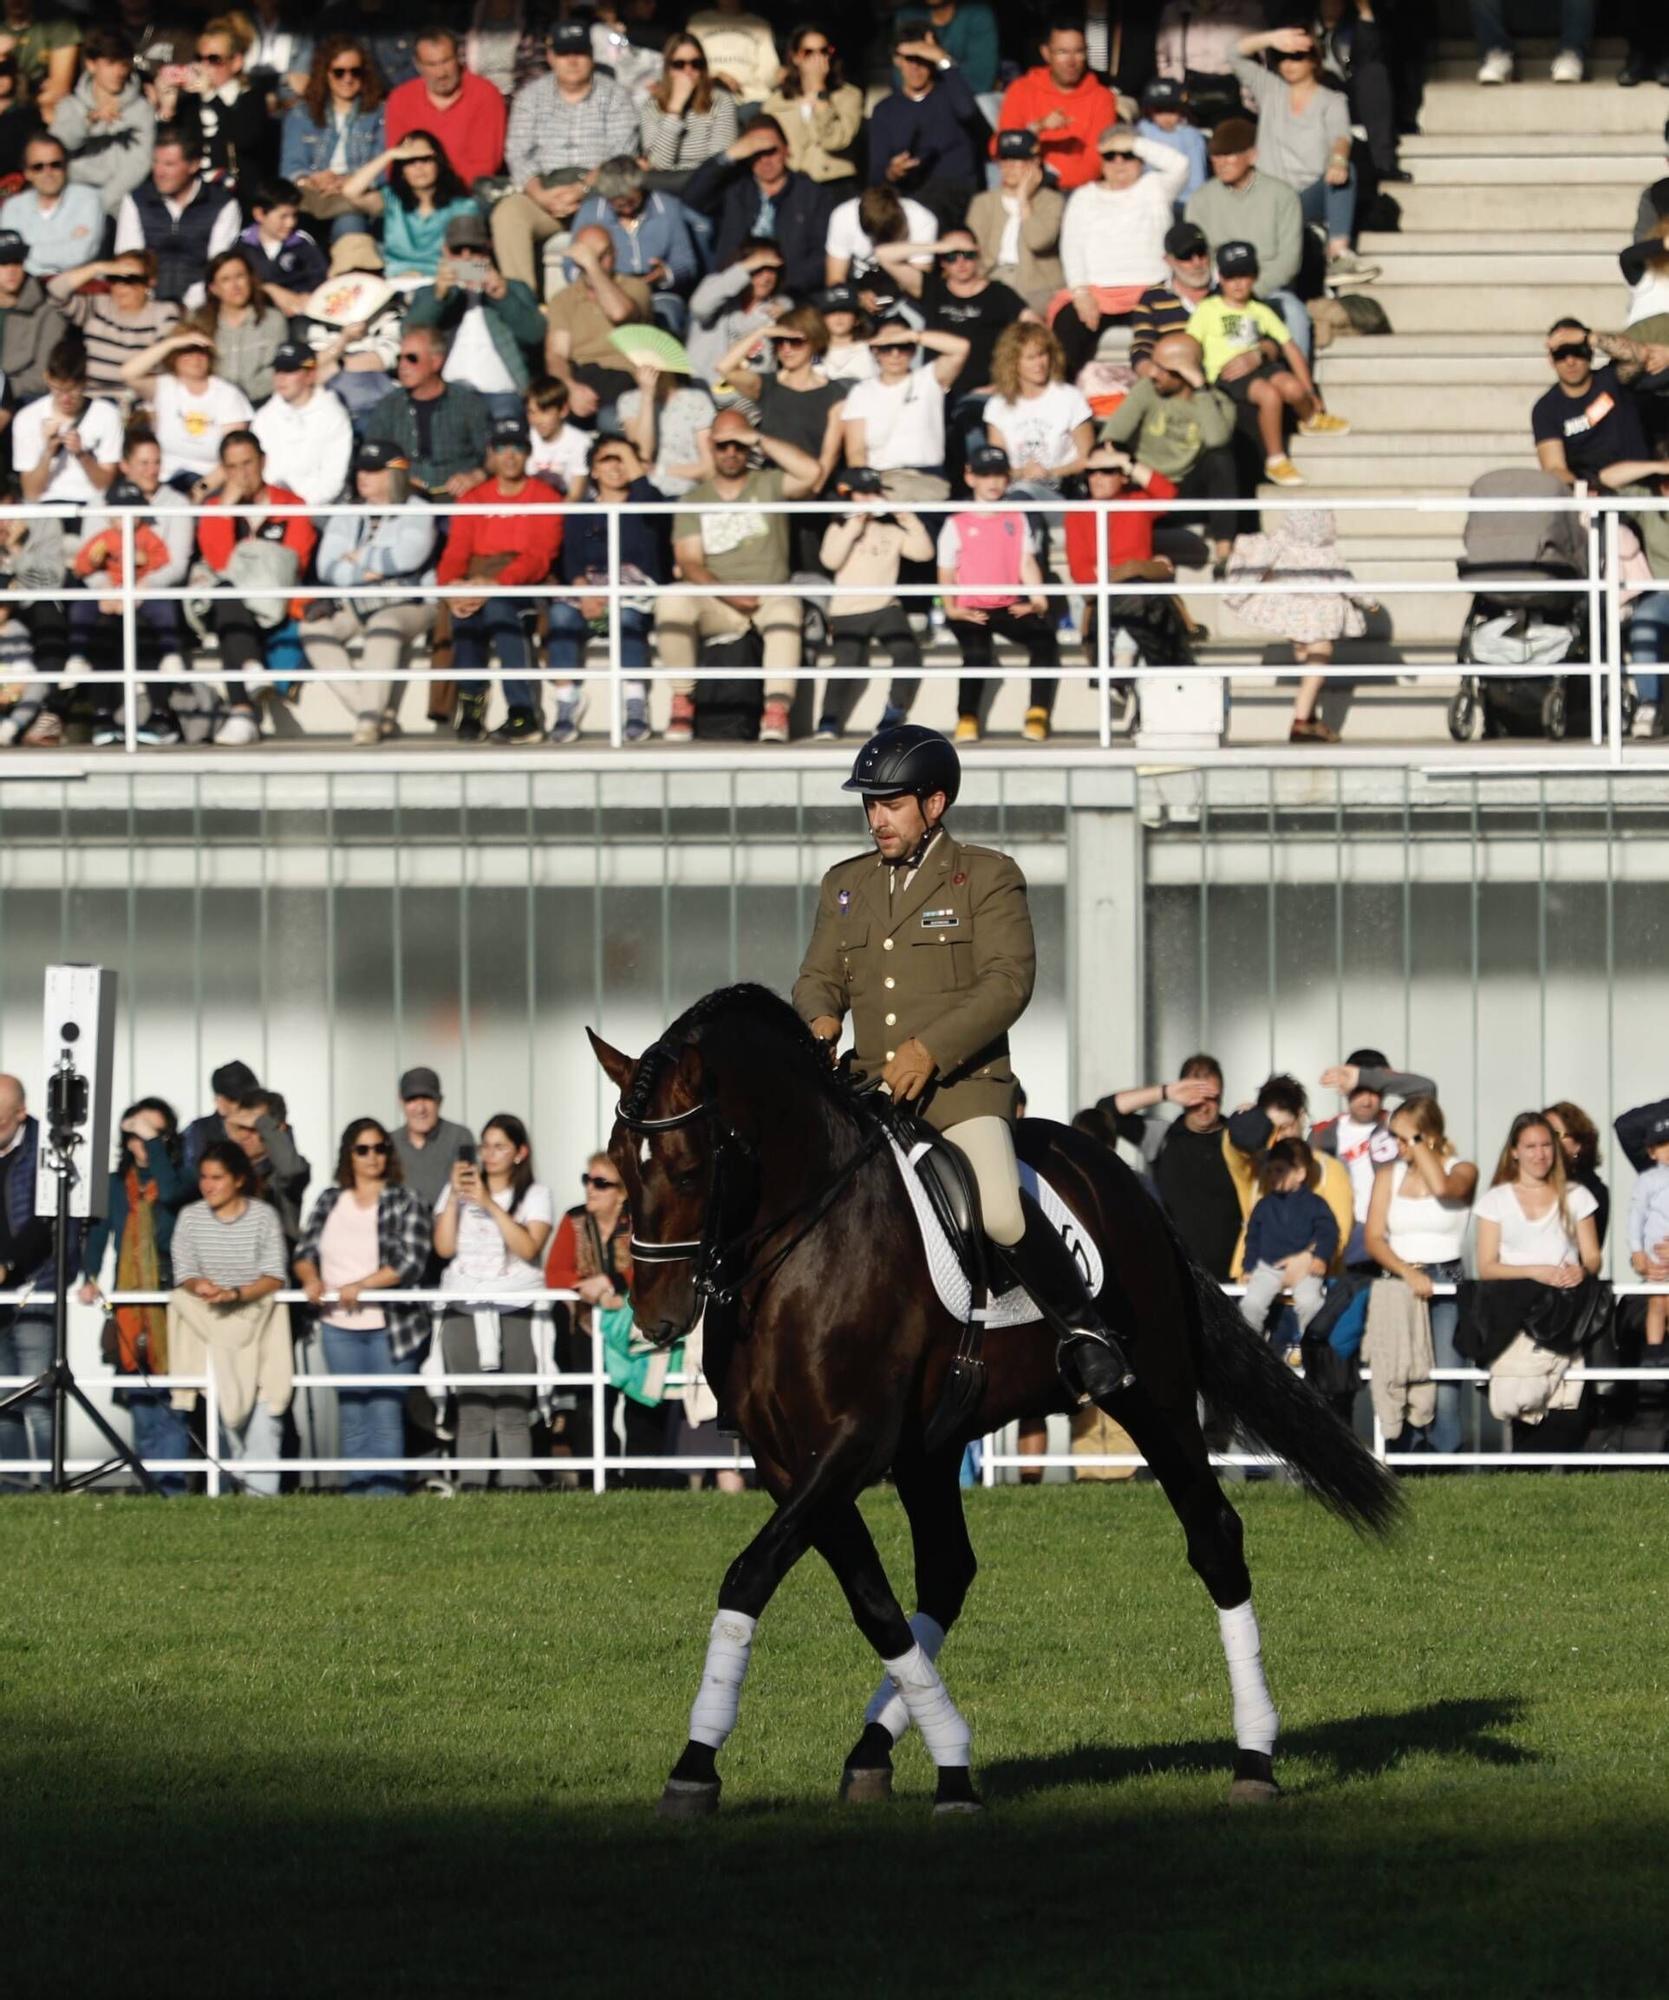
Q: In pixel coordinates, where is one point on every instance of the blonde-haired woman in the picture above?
(1534, 1222)
(1417, 1217)
(1042, 421)
(819, 111)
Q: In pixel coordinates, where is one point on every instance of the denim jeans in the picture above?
(1333, 206)
(159, 1431)
(496, 626)
(260, 1435)
(568, 633)
(1576, 25)
(26, 1431)
(372, 1422)
(1297, 316)
(1648, 640)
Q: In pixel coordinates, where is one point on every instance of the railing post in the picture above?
(1595, 625)
(130, 636)
(616, 691)
(1103, 628)
(1614, 636)
(598, 1393)
(211, 1432)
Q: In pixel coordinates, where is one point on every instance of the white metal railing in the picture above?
(600, 1461)
(1600, 588)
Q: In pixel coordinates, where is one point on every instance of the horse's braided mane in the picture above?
(755, 1005)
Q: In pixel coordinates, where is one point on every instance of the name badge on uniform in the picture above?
(940, 920)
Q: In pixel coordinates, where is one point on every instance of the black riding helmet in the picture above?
(906, 758)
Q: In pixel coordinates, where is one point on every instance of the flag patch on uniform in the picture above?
(939, 920)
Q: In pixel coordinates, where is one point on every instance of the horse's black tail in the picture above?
(1246, 1382)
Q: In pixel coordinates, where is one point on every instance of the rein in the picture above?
(714, 1255)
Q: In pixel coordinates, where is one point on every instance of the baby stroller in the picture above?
(1513, 622)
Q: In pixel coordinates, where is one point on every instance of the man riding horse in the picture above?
(927, 943)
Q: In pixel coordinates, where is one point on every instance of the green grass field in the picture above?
(318, 1748)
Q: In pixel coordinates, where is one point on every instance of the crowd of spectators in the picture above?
(630, 258)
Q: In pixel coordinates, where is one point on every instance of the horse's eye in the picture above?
(686, 1183)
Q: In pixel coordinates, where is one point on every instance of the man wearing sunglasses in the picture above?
(62, 224)
(1589, 419)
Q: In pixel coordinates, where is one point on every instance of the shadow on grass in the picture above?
(1353, 1747)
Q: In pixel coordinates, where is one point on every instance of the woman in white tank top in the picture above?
(1417, 1219)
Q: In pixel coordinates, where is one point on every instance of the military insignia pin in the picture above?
(958, 879)
(845, 901)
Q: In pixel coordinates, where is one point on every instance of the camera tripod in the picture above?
(57, 1379)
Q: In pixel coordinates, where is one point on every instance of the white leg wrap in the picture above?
(714, 1714)
(887, 1706)
(1256, 1723)
(930, 1707)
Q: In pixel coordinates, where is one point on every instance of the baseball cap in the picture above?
(1186, 239)
(568, 38)
(1659, 1132)
(838, 299)
(1368, 1059)
(508, 431)
(468, 232)
(1163, 93)
(13, 249)
(862, 479)
(419, 1083)
(1237, 260)
(1116, 139)
(1233, 135)
(988, 458)
(1018, 145)
(233, 1079)
(377, 455)
(292, 355)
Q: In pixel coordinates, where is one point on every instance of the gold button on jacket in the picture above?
(961, 970)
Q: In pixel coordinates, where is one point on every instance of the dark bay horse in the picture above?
(760, 1188)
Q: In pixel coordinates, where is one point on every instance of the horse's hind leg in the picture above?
(846, 1544)
(1175, 1449)
(945, 1569)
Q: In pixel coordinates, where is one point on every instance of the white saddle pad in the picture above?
(950, 1281)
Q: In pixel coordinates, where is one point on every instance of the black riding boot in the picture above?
(1090, 1359)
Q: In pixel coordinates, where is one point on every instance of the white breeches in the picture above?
(987, 1144)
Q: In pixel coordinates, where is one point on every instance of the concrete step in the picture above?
(1583, 153)
(1357, 364)
(1403, 515)
(1402, 551)
(1484, 268)
(1518, 309)
(1517, 207)
(1539, 107)
(1434, 403)
(1349, 468)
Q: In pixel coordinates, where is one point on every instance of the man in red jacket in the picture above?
(463, 111)
(1064, 105)
(504, 549)
(249, 552)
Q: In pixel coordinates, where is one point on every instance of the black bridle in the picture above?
(724, 1266)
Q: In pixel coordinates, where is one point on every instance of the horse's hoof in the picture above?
(1253, 1792)
(866, 1784)
(956, 1792)
(684, 1799)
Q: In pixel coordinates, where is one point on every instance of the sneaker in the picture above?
(1634, 72)
(45, 732)
(1645, 719)
(107, 733)
(76, 668)
(9, 731)
(365, 730)
(1496, 67)
(569, 709)
(388, 726)
(637, 720)
(160, 730)
(171, 663)
(773, 723)
(236, 729)
(967, 729)
(1568, 67)
(468, 723)
(1282, 472)
(827, 730)
(893, 717)
(521, 725)
(1324, 425)
(1035, 728)
(1345, 264)
(1313, 730)
(680, 726)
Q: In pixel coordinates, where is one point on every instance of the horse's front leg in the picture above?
(945, 1568)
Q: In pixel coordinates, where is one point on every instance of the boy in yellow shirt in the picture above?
(1245, 344)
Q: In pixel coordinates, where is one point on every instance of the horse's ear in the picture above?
(617, 1067)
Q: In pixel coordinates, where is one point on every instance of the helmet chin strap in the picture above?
(914, 858)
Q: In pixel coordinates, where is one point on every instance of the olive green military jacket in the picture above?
(948, 958)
